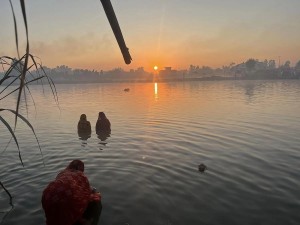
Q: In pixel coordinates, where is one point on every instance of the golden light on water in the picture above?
(156, 90)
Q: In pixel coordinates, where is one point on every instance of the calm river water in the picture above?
(246, 132)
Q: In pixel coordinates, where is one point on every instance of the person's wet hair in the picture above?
(76, 165)
(102, 115)
(83, 117)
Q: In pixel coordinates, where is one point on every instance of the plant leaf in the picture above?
(28, 124)
(15, 26)
(13, 135)
(24, 69)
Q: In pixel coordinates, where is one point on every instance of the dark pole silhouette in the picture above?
(111, 16)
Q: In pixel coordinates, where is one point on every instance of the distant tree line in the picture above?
(250, 69)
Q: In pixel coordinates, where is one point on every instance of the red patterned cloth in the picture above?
(65, 199)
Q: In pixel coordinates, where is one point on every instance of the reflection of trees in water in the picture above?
(251, 88)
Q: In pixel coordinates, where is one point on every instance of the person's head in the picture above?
(76, 165)
(102, 115)
(83, 117)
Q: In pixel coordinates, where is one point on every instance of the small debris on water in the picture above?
(126, 89)
(202, 168)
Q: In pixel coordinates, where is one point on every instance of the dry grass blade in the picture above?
(17, 65)
(6, 145)
(13, 66)
(15, 71)
(50, 81)
(18, 88)
(22, 79)
(32, 99)
(7, 213)
(28, 124)
(8, 85)
(15, 26)
(10, 202)
(13, 135)
(4, 188)
(7, 74)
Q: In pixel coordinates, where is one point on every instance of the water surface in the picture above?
(246, 132)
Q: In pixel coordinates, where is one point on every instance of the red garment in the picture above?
(66, 198)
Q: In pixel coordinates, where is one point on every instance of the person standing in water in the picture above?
(103, 124)
(84, 126)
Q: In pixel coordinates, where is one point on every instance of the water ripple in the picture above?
(246, 132)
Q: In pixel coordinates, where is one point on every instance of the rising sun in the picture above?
(155, 67)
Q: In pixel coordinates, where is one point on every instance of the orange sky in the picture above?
(157, 32)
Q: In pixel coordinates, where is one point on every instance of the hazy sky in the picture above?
(173, 33)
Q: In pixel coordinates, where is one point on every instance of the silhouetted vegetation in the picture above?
(18, 72)
(15, 79)
(251, 69)
(250, 64)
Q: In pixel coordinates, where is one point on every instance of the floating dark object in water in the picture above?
(126, 89)
(202, 167)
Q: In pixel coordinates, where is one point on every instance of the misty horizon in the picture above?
(167, 33)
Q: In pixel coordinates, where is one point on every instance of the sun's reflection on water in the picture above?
(155, 90)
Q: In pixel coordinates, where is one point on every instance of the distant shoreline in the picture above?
(212, 78)
(215, 78)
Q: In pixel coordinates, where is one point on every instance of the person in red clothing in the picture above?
(70, 200)
(103, 124)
